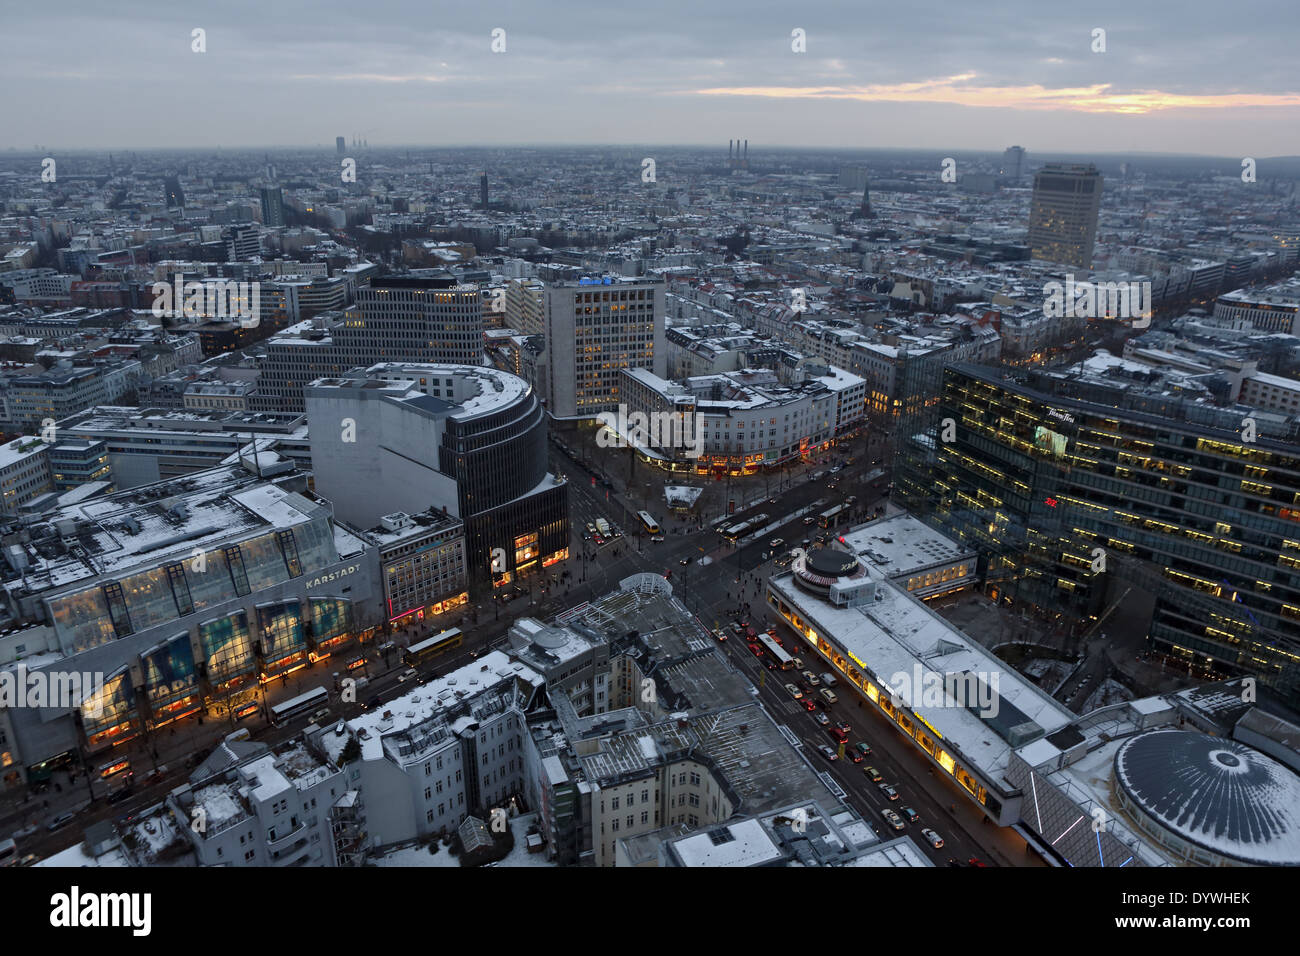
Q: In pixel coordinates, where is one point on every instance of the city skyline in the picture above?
(1168, 79)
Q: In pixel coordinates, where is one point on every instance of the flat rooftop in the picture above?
(902, 543)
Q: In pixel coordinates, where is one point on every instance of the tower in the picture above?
(1063, 214)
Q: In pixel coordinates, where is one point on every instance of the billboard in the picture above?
(1046, 440)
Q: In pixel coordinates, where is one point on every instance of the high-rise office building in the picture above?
(594, 329)
(272, 206)
(397, 319)
(340, 145)
(1013, 161)
(483, 189)
(413, 320)
(465, 440)
(1178, 504)
(1063, 214)
(243, 242)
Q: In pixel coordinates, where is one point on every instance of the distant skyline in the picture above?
(1175, 78)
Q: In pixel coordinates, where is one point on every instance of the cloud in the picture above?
(1098, 98)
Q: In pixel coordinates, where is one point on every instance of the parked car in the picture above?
(828, 752)
(793, 691)
(892, 818)
(936, 841)
(874, 775)
(889, 792)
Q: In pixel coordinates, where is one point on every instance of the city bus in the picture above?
(119, 768)
(783, 660)
(830, 516)
(744, 527)
(428, 649)
(299, 706)
(649, 523)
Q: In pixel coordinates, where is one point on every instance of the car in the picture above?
(750, 632)
(853, 755)
(936, 841)
(821, 718)
(811, 678)
(953, 861)
(598, 538)
(837, 469)
(24, 832)
(372, 703)
(829, 696)
(828, 752)
(912, 815)
(409, 674)
(889, 792)
(736, 627)
(874, 775)
(809, 519)
(784, 561)
(720, 634)
(770, 665)
(119, 795)
(684, 561)
(320, 716)
(843, 727)
(756, 650)
(668, 573)
(838, 734)
(808, 703)
(851, 500)
(862, 748)
(656, 537)
(61, 821)
(793, 691)
(28, 860)
(776, 543)
(893, 819)
(591, 530)
(976, 861)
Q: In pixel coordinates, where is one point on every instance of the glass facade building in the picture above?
(1044, 486)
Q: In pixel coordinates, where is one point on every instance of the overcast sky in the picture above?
(1194, 76)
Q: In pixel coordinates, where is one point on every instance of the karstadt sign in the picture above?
(333, 576)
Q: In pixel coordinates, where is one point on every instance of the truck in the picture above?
(603, 527)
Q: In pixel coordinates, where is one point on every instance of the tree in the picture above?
(351, 751)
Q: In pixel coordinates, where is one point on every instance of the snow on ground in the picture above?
(1108, 693)
(1047, 673)
(519, 856)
